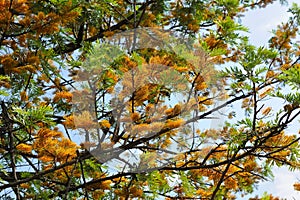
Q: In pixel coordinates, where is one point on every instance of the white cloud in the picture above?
(262, 21)
(282, 186)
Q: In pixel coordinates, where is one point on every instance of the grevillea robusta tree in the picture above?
(110, 99)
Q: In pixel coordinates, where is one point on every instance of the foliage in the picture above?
(48, 46)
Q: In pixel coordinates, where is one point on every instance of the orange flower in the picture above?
(169, 111)
(84, 120)
(270, 74)
(24, 147)
(265, 92)
(205, 100)
(24, 185)
(297, 186)
(182, 69)
(63, 95)
(201, 108)
(177, 109)
(105, 185)
(24, 96)
(203, 193)
(108, 33)
(105, 124)
(138, 129)
(245, 103)
(134, 116)
(97, 194)
(87, 145)
(285, 67)
(174, 124)
(69, 122)
(266, 111)
(136, 192)
(230, 183)
(46, 158)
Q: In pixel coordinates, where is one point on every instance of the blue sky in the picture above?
(261, 22)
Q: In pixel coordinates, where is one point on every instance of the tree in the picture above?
(48, 47)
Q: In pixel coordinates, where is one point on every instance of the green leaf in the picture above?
(31, 116)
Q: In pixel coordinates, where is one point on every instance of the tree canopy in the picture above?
(110, 99)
